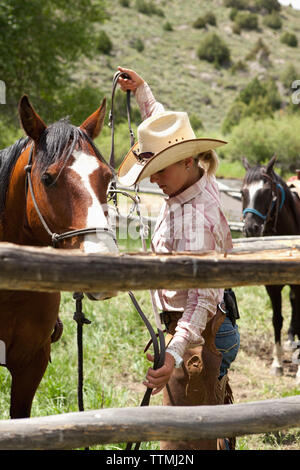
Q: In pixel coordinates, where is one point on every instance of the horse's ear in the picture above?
(270, 165)
(94, 123)
(246, 163)
(33, 125)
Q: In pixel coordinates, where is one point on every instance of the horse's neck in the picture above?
(288, 222)
(14, 219)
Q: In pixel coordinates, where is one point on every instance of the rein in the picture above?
(275, 187)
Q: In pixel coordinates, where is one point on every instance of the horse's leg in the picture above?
(292, 328)
(25, 381)
(295, 321)
(275, 296)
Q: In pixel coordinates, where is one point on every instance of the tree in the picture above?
(40, 43)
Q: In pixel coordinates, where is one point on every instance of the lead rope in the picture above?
(81, 320)
(159, 348)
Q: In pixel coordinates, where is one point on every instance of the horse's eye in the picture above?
(47, 179)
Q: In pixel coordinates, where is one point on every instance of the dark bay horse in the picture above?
(270, 208)
(66, 191)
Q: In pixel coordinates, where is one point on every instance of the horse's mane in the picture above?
(56, 142)
(8, 159)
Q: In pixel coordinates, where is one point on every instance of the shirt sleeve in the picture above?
(146, 101)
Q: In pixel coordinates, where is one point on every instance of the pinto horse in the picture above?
(65, 196)
(271, 208)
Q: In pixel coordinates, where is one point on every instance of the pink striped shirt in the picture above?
(191, 221)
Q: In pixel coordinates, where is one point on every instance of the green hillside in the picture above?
(243, 95)
(169, 60)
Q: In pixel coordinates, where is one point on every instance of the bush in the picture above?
(259, 46)
(273, 20)
(258, 140)
(199, 23)
(167, 26)
(235, 114)
(233, 13)
(288, 76)
(210, 18)
(246, 20)
(202, 21)
(256, 99)
(104, 43)
(238, 4)
(196, 122)
(138, 45)
(239, 66)
(290, 39)
(125, 3)
(148, 8)
(214, 49)
(269, 5)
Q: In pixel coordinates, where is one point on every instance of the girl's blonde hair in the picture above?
(209, 161)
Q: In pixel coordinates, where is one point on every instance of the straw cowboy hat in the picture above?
(163, 139)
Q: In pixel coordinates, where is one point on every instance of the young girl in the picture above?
(191, 219)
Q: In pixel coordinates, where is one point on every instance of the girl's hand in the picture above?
(157, 379)
(129, 84)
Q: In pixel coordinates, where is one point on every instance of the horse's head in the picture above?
(67, 185)
(259, 193)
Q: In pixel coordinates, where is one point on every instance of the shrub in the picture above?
(210, 18)
(257, 98)
(259, 46)
(290, 39)
(235, 114)
(236, 29)
(138, 45)
(125, 3)
(199, 23)
(269, 5)
(238, 4)
(167, 26)
(259, 139)
(239, 66)
(273, 20)
(288, 76)
(148, 8)
(246, 20)
(202, 21)
(213, 49)
(104, 43)
(233, 14)
(196, 122)
(252, 90)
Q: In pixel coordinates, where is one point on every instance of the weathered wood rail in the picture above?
(47, 269)
(104, 426)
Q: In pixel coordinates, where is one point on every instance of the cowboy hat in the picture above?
(163, 139)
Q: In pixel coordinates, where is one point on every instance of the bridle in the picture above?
(55, 237)
(277, 202)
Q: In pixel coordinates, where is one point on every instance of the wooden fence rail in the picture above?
(73, 430)
(47, 269)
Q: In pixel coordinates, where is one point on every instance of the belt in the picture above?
(167, 317)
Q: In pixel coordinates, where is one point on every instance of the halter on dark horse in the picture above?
(270, 208)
